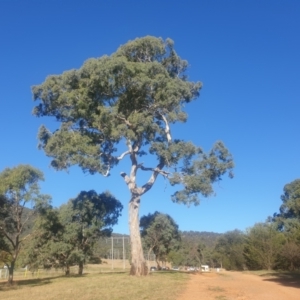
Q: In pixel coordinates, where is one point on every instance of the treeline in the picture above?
(273, 244)
(263, 246)
(35, 234)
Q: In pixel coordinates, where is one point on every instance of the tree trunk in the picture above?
(67, 270)
(80, 268)
(138, 263)
(157, 263)
(11, 272)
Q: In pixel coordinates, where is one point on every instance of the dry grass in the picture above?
(216, 289)
(95, 285)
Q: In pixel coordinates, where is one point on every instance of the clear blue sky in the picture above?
(246, 53)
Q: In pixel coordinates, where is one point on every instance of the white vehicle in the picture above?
(204, 268)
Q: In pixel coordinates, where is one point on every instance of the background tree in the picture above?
(176, 257)
(290, 207)
(43, 248)
(5, 257)
(131, 96)
(160, 234)
(288, 222)
(290, 256)
(197, 247)
(229, 250)
(204, 254)
(263, 246)
(18, 188)
(67, 235)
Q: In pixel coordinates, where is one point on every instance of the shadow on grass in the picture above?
(167, 272)
(290, 279)
(33, 282)
(112, 273)
(175, 275)
(4, 286)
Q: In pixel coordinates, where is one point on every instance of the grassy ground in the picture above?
(95, 285)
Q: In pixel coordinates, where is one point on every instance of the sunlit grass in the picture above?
(96, 285)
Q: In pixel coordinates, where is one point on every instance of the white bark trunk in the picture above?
(138, 263)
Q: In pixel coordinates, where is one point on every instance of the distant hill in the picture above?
(209, 239)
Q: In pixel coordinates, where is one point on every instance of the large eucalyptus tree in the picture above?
(130, 97)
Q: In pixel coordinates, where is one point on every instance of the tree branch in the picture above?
(7, 236)
(146, 187)
(26, 220)
(126, 177)
(167, 128)
(123, 155)
(161, 172)
(125, 121)
(107, 171)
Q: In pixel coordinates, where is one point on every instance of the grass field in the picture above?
(98, 282)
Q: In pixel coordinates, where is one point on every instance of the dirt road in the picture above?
(241, 286)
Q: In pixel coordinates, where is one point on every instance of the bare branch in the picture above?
(156, 171)
(134, 166)
(128, 143)
(162, 172)
(167, 128)
(26, 220)
(107, 171)
(25, 237)
(123, 155)
(126, 177)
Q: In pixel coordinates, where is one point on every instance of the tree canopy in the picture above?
(131, 95)
(290, 207)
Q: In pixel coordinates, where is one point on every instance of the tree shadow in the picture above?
(170, 273)
(32, 282)
(290, 279)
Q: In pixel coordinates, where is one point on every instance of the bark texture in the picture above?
(11, 273)
(67, 270)
(138, 263)
(80, 268)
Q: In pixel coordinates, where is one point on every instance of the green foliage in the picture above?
(67, 235)
(159, 234)
(133, 94)
(175, 257)
(288, 219)
(197, 247)
(263, 246)
(19, 187)
(5, 257)
(229, 250)
(288, 222)
(290, 207)
(197, 175)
